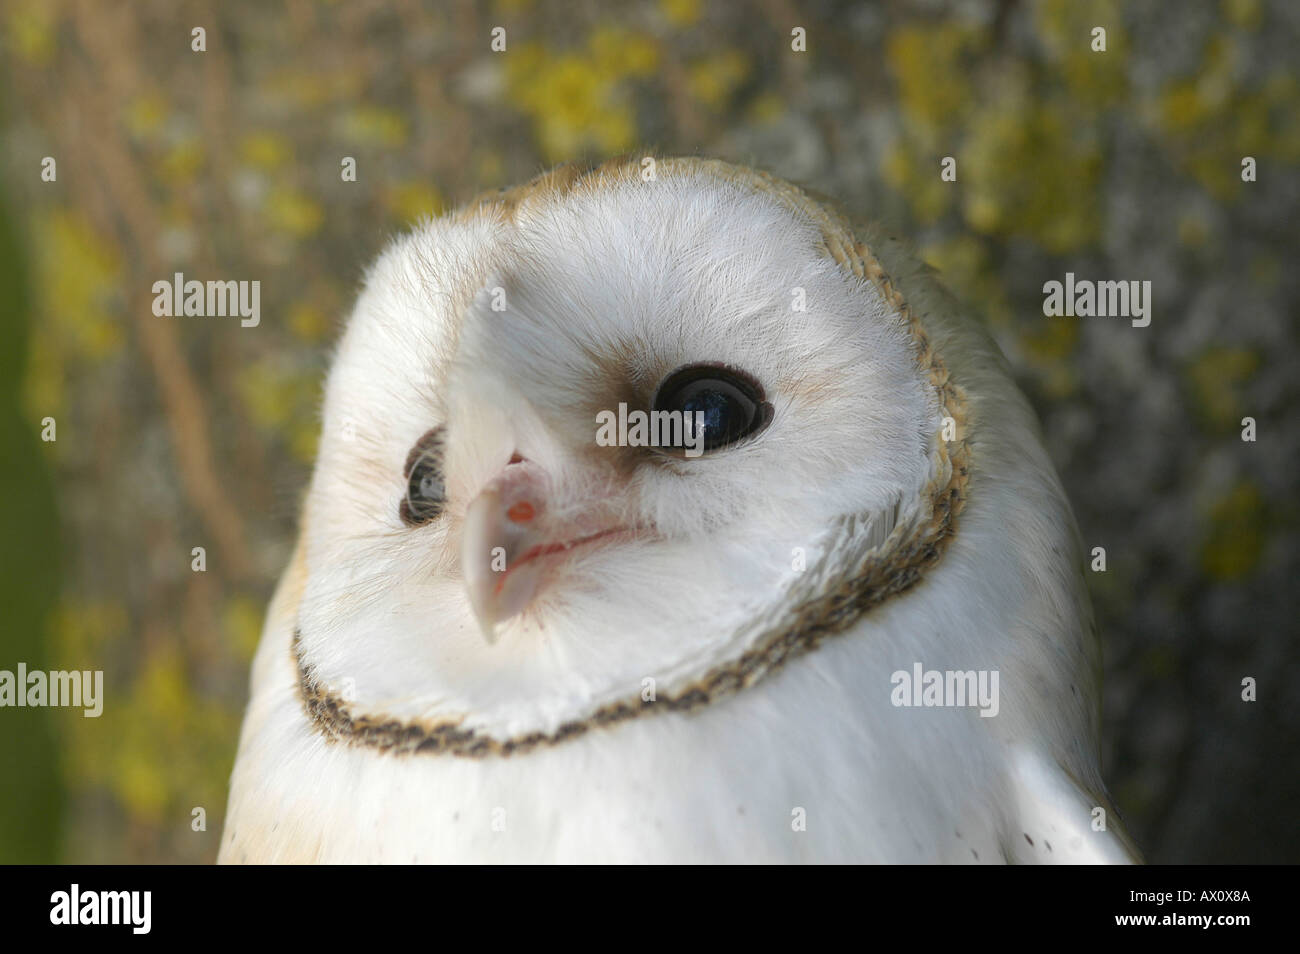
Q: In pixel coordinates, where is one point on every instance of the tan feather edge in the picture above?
(911, 549)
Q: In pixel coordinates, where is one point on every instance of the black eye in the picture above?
(730, 403)
(425, 493)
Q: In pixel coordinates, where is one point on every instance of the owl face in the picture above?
(593, 440)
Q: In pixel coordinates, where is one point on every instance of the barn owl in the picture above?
(851, 627)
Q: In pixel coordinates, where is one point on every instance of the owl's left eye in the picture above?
(425, 492)
(728, 403)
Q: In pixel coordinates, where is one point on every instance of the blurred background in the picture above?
(225, 164)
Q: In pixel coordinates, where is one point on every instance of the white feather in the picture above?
(642, 278)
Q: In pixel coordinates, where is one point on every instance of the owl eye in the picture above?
(730, 401)
(425, 493)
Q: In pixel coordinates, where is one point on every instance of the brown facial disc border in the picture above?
(912, 549)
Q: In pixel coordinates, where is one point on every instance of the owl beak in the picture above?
(511, 538)
(499, 528)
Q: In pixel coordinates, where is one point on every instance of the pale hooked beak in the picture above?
(508, 537)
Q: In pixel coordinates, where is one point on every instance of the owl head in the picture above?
(662, 422)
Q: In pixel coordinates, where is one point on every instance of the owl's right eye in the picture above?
(425, 491)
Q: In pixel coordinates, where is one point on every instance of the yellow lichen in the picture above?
(376, 126)
(309, 322)
(281, 401)
(1234, 538)
(713, 80)
(265, 150)
(1091, 78)
(1246, 14)
(931, 66)
(681, 13)
(181, 162)
(1215, 378)
(580, 100)
(293, 212)
(76, 286)
(1029, 171)
(411, 201)
(917, 176)
(31, 33)
(145, 115)
(241, 623)
(1209, 121)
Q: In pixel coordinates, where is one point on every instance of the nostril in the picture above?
(521, 512)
